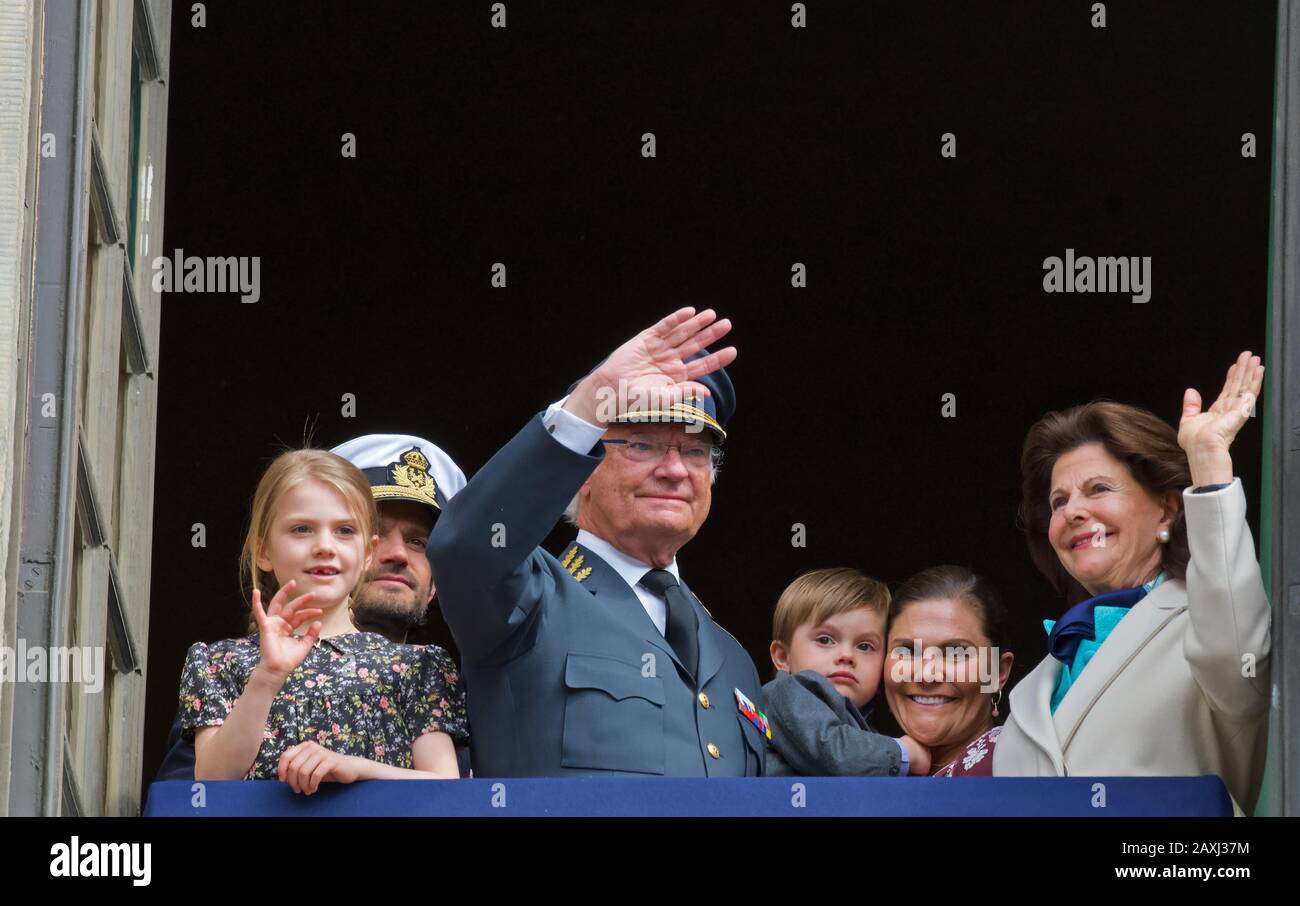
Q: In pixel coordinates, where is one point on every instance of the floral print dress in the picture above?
(358, 694)
(976, 760)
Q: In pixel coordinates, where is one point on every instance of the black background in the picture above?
(775, 145)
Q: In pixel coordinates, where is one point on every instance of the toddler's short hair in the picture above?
(823, 593)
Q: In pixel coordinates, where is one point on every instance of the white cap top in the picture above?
(404, 467)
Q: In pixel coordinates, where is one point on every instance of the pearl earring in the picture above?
(1163, 535)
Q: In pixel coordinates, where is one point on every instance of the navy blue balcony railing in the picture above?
(736, 797)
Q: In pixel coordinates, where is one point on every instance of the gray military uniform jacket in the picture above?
(816, 731)
(564, 671)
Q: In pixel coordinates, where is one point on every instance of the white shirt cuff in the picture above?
(578, 434)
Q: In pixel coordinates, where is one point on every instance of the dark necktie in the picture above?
(682, 626)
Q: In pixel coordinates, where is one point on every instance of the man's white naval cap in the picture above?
(404, 467)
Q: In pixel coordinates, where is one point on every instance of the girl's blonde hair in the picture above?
(285, 473)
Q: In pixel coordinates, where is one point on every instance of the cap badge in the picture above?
(412, 474)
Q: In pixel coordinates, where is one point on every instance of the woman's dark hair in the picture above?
(959, 584)
(1144, 442)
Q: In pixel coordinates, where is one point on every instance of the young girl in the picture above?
(332, 703)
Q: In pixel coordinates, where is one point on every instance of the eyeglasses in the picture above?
(697, 454)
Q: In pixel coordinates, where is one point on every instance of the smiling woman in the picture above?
(947, 698)
(1143, 531)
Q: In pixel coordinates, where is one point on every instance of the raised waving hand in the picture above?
(1206, 434)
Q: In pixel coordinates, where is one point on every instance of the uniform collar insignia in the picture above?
(574, 564)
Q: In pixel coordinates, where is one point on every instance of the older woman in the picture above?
(1160, 666)
(945, 667)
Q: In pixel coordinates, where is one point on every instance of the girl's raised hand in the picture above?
(282, 651)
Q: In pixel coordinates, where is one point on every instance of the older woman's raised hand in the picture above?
(1206, 435)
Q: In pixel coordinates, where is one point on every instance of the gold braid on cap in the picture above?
(677, 412)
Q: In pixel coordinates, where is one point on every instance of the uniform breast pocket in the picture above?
(755, 744)
(613, 716)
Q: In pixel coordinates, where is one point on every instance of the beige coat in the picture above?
(1180, 687)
